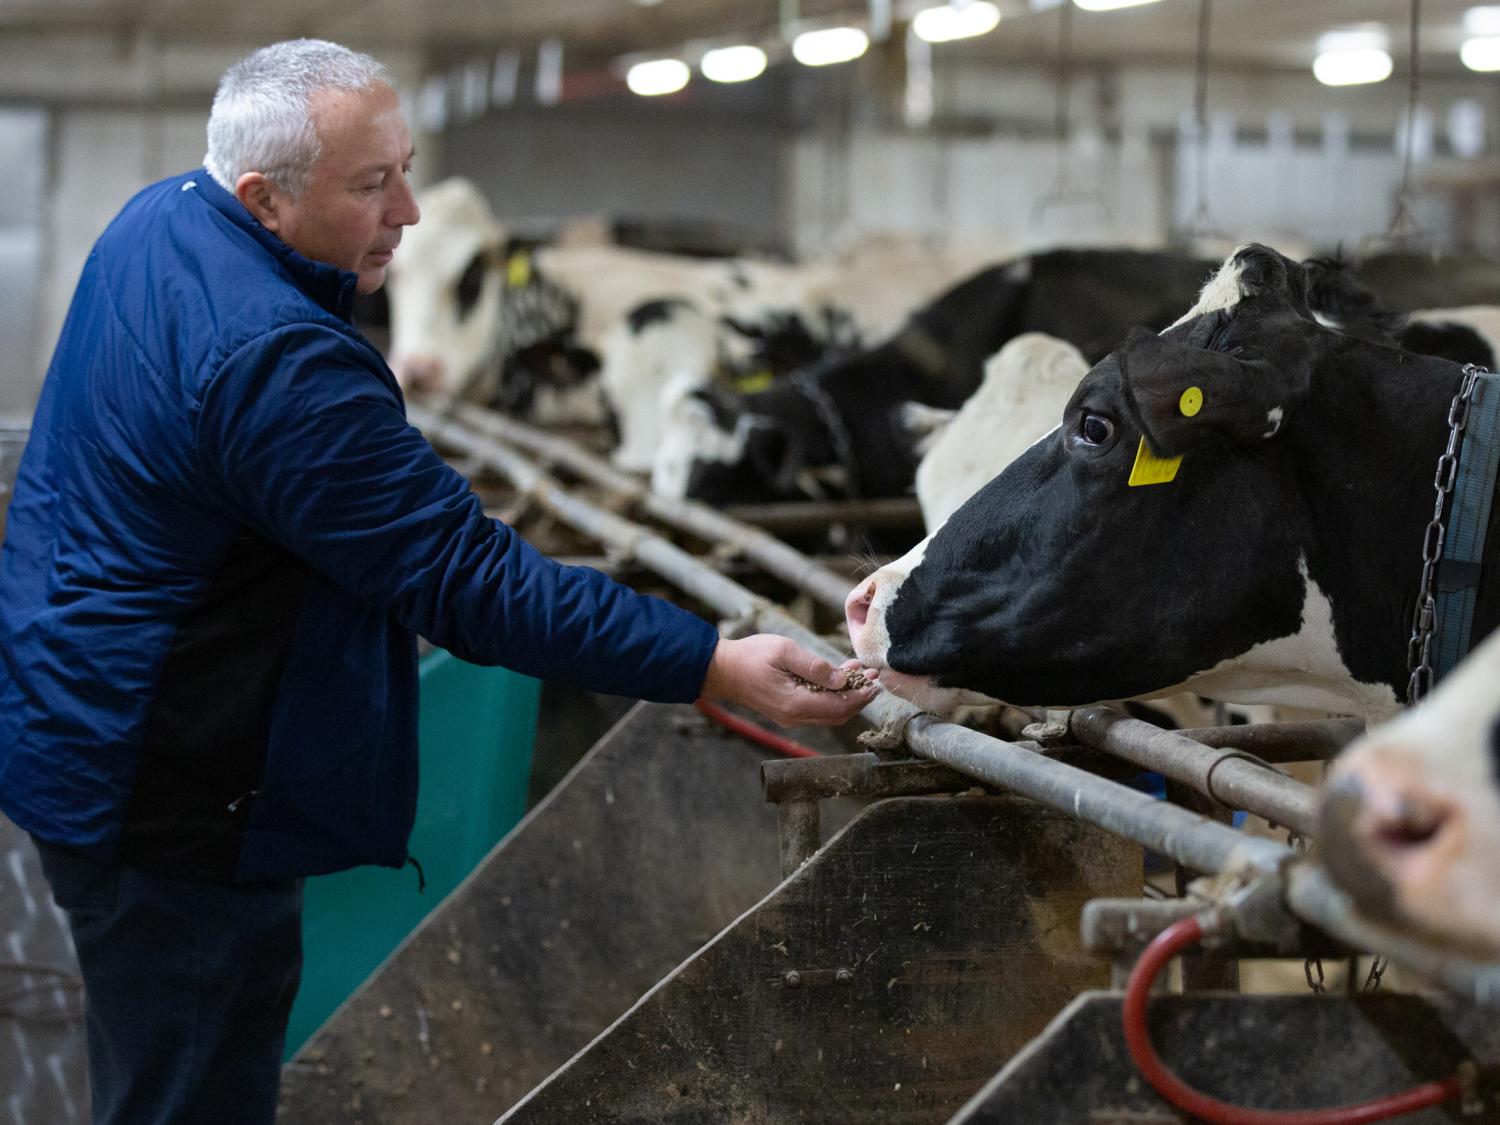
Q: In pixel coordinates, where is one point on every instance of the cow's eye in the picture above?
(1095, 429)
(470, 284)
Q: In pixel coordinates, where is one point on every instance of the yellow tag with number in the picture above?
(518, 270)
(1151, 469)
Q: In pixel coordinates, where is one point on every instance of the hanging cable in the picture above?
(1175, 939)
(1199, 224)
(1403, 223)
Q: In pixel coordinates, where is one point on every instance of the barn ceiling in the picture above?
(1273, 33)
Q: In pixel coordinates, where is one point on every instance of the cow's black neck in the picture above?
(1372, 502)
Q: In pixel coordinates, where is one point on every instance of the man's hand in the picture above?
(770, 674)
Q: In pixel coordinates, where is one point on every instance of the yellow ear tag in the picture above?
(1151, 469)
(518, 270)
(753, 383)
(1191, 402)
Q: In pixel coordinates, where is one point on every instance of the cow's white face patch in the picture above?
(691, 434)
(1300, 670)
(1273, 421)
(638, 370)
(427, 326)
(1026, 387)
(1222, 292)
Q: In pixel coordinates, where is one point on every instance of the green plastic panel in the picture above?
(476, 729)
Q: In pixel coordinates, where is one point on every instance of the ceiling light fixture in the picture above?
(1481, 53)
(1110, 5)
(946, 22)
(1482, 22)
(657, 76)
(733, 64)
(1352, 68)
(1352, 57)
(830, 45)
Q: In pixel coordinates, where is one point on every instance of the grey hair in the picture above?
(261, 119)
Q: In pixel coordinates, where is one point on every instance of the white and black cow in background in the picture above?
(846, 425)
(1411, 812)
(1277, 562)
(465, 305)
(1025, 386)
(560, 333)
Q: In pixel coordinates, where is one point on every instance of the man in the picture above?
(223, 542)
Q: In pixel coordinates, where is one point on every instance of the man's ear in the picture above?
(260, 197)
(1179, 393)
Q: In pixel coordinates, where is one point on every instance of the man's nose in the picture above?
(405, 212)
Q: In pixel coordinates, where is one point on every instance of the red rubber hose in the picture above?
(1167, 945)
(755, 732)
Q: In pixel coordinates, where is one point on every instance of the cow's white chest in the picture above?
(1303, 669)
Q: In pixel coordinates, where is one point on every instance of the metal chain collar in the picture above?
(1424, 617)
(1418, 649)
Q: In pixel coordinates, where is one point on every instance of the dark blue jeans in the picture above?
(188, 986)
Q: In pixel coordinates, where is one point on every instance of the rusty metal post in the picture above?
(799, 831)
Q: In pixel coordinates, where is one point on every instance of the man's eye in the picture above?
(1095, 429)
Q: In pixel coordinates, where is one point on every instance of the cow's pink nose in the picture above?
(1391, 811)
(857, 607)
(421, 373)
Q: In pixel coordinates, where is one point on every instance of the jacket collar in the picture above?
(331, 287)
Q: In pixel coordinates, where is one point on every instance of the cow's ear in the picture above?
(1180, 394)
(1264, 272)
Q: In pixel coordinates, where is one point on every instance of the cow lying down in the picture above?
(1235, 507)
(1411, 812)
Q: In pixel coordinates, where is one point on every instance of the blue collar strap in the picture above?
(1457, 580)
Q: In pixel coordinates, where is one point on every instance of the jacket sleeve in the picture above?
(304, 441)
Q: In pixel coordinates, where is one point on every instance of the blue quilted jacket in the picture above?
(224, 540)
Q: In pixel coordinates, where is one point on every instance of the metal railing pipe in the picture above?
(1191, 840)
(1309, 740)
(778, 559)
(1313, 896)
(1223, 775)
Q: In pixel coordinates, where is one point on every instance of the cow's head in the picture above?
(1162, 537)
(446, 290)
(720, 447)
(1411, 812)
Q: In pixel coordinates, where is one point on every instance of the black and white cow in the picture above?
(847, 421)
(1340, 298)
(570, 333)
(1276, 562)
(1413, 280)
(1411, 812)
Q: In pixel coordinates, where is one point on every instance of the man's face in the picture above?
(357, 197)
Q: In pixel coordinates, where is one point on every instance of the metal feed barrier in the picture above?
(886, 974)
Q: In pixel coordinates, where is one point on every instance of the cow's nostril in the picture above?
(1412, 826)
(857, 606)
